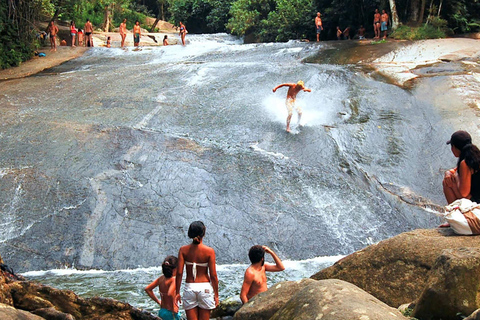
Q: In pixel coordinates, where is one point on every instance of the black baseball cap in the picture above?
(460, 139)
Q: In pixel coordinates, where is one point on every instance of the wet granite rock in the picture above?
(53, 304)
(52, 314)
(335, 300)
(10, 313)
(265, 304)
(453, 286)
(396, 270)
(227, 307)
(474, 316)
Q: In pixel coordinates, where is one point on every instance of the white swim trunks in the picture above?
(290, 103)
(199, 294)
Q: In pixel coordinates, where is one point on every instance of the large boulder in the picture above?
(335, 300)
(227, 307)
(10, 313)
(265, 304)
(53, 314)
(395, 270)
(453, 286)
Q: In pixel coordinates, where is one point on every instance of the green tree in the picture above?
(17, 31)
(247, 16)
(292, 19)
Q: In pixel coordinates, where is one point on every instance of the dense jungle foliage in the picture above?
(260, 20)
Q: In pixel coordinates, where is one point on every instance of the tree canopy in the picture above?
(261, 20)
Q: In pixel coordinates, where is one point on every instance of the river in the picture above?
(106, 159)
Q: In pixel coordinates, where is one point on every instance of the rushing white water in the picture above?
(128, 285)
(109, 157)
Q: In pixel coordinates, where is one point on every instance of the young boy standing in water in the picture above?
(293, 90)
(137, 33)
(255, 280)
(166, 286)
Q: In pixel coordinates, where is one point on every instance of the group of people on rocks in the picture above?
(200, 295)
(380, 24)
(86, 34)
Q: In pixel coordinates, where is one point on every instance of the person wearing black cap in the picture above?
(464, 180)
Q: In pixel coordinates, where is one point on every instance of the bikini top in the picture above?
(194, 267)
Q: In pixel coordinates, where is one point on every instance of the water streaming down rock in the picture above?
(105, 160)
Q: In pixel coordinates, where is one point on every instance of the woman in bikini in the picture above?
(166, 286)
(200, 295)
(183, 32)
(73, 32)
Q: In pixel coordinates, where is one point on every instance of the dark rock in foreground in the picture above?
(335, 300)
(453, 286)
(396, 270)
(265, 304)
(23, 299)
(10, 313)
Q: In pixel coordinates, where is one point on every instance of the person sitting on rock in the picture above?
(166, 286)
(464, 180)
(255, 279)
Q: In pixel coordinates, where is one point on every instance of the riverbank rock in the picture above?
(227, 308)
(265, 304)
(335, 300)
(474, 316)
(19, 300)
(453, 286)
(396, 270)
(10, 313)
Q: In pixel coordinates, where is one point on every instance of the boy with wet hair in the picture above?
(255, 279)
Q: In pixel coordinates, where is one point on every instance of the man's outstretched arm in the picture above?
(278, 263)
(282, 85)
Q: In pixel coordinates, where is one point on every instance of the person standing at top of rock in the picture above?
(88, 33)
(183, 32)
(376, 23)
(464, 180)
(318, 25)
(73, 32)
(123, 31)
(200, 295)
(255, 279)
(384, 27)
(137, 33)
(52, 30)
(166, 286)
(293, 90)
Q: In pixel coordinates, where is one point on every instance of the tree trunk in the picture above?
(106, 19)
(422, 11)
(152, 29)
(440, 8)
(414, 11)
(394, 13)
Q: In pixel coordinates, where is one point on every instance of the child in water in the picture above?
(166, 286)
(109, 41)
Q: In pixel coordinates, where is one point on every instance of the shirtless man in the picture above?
(255, 280)
(53, 30)
(123, 31)
(376, 24)
(88, 34)
(361, 33)
(384, 20)
(293, 90)
(137, 33)
(318, 25)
